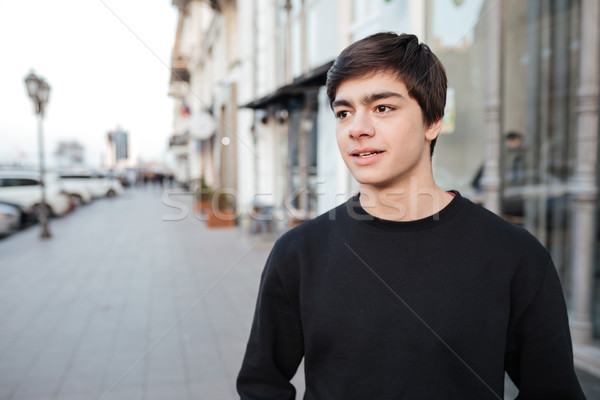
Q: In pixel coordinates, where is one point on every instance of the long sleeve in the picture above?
(276, 345)
(539, 356)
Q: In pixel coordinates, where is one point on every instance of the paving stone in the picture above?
(171, 392)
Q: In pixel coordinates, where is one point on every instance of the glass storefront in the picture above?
(596, 278)
(541, 54)
(539, 82)
(302, 144)
(458, 37)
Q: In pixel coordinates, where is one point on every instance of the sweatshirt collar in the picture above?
(357, 212)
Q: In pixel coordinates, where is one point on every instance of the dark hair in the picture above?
(514, 135)
(414, 63)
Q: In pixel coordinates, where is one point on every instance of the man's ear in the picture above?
(433, 130)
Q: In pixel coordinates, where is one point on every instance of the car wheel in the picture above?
(77, 199)
(111, 193)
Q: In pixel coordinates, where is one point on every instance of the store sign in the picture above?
(202, 125)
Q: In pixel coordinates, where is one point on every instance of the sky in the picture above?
(107, 62)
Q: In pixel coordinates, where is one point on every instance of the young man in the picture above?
(406, 291)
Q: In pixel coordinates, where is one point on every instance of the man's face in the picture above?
(381, 133)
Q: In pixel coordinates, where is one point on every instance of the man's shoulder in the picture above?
(313, 231)
(493, 227)
(478, 214)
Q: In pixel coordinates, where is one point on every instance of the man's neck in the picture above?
(404, 203)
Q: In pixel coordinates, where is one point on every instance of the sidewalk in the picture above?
(124, 303)
(120, 304)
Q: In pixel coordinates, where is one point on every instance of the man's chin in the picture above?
(374, 183)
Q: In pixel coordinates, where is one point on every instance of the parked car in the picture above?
(22, 188)
(96, 185)
(10, 219)
(112, 184)
(79, 189)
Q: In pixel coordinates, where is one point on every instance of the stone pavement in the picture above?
(121, 304)
(132, 300)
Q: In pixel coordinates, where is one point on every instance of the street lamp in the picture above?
(39, 92)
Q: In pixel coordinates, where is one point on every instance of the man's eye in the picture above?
(341, 114)
(382, 109)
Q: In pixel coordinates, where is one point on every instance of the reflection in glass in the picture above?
(540, 66)
(458, 37)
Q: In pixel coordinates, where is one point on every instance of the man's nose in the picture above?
(362, 126)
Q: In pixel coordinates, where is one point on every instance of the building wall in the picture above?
(513, 66)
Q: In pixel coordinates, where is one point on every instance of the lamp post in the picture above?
(39, 92)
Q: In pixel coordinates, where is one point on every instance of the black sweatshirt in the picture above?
(436, 308)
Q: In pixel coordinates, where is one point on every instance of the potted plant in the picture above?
(222, 211)
(203, 196)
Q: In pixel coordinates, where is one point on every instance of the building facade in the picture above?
(117, 149)
(519, 136)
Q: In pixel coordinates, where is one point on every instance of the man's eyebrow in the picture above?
(370, 98)
(340, 102)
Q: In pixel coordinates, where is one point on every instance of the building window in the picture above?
(363, 9)
(301, 45)
(541, 56)
(457, 36)
(282, 46)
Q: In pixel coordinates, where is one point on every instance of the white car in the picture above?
(96, 185)
(78, 188)
(22, 188)
(10, 219)
(112, 185)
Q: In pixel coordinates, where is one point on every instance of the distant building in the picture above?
(120, 139)
(69, 154)
(117, 154)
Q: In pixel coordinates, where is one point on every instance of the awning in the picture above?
(314, 78)
(281, 95)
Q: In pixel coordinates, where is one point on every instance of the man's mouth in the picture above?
(366, 154)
